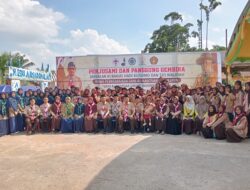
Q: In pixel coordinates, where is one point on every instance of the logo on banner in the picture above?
(123, 62)
(132, 61)
(116, 62)
(153, 60)
(15, 84)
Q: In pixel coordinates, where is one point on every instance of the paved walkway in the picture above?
(114, 162)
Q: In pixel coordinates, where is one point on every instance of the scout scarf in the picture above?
(3, 107)
(32, 115)
(238, 118)
(58, 107)
(45, 111)
(176, 107)
(91, 108)
(126, 113)
(69, 107)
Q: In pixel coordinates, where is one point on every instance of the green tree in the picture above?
(213, 4)
(15, 60)
(173, 16)
(218, 48)
(169, 38)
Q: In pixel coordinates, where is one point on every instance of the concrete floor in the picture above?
(114, 162)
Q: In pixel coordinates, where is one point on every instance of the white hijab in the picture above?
(190, 105)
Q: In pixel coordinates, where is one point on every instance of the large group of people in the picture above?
(221, 112)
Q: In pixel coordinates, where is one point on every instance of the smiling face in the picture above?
(247, 87)
(238, 111)
(45, 100)
(71, 71)
(3, 95)
(32, 102)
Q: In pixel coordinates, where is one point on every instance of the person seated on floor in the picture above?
(237, 130)
(210, 118)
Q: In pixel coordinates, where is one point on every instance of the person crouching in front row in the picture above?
(32, 113)
(209, 120)
(238, 129)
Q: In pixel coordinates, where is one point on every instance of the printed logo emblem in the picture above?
(115, 62)
(132, 61)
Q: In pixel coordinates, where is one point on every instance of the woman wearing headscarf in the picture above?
(247, 105)
(239, 94)
(79, 116)
(189, 114)
(56, 109)
(238, 129)
(222, 93)
(4, 124)
(201, 109)
(229, 102)
(90, 115)
(27, 98)
(13, 111)
(219, 125)
(21, 108)
(210, 118)
(215, 98)
(174, 120)
(67, 116)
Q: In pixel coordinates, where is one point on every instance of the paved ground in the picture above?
(114, 162)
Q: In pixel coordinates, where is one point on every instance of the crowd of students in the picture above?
(221, 112)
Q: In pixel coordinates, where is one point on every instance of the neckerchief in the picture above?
(79, 108)
(176, 107)
(32, 115)
(69, 107)
(3, 107)
(91, 108)
(45, 110)
(237, 118)
(162, 107)
(126, 113)
(58, 108)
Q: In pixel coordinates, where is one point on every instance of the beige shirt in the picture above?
(241, 128)
(130, 108)
(149, 108)
(103, 108)
(29, 111)
(229, 103)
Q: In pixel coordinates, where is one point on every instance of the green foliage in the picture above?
(15, 60)
(170, 38)
(218, 48)
(208, 9)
